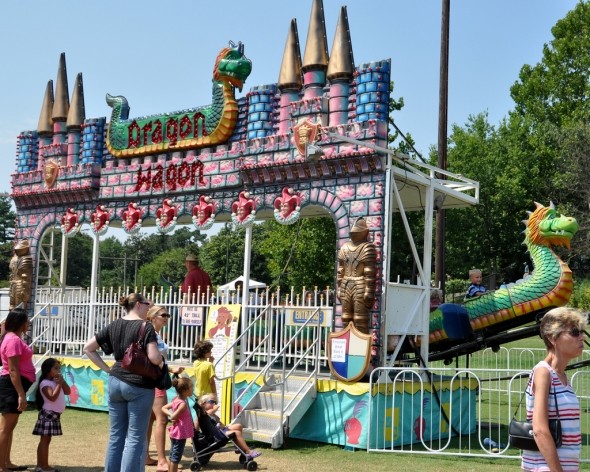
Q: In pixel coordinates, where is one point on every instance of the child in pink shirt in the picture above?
(182, 422)
(51, 401)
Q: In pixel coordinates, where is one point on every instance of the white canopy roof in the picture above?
(252, 284)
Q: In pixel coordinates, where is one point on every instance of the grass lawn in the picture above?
(82, 448)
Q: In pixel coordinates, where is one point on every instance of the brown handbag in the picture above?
(136, 360)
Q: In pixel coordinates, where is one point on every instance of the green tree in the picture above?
(489, 235)
(557, 89)
(79, 260)
(222, 256)
(301, 255)
(112, 270)
(168, 265)
(7, 220)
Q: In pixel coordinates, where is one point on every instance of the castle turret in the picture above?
(315, 58)
(61, 105)
(44, 128)
(340, 71)
(290, 80)
(76, 117)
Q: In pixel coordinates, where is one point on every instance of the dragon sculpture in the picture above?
(549, 285)
(186, 129)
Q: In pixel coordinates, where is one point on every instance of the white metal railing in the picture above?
(471, 421)
(67, 321)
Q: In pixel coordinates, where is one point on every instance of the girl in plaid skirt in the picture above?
(51, 402)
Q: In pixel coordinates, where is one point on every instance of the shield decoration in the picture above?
(50, 172)
(305, 132)
(349, 352)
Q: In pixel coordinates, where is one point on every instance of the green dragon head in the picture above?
(232, 66)
(546, 228)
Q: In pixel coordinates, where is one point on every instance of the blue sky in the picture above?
(160, 54)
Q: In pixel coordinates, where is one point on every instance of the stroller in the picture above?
(209, 439)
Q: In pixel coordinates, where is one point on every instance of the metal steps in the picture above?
(272, 413)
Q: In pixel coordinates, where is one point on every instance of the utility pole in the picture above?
(443, 102)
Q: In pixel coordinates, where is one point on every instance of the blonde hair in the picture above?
(153, 311)
(473, 272)
(558, 320)
(205, 398)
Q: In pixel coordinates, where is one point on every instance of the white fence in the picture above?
(66, 319)
(493, 385)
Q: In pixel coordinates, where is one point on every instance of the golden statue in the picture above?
(21, 275)
(356, 277)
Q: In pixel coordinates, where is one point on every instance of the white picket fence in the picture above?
(66, 319)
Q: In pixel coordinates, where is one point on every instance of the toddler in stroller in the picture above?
(212, 435)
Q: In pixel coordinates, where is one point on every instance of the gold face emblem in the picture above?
(50, 172)
(305, 132)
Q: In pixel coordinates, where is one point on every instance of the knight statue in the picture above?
(356, 277)
(21, 275)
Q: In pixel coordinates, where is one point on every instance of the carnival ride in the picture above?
(500, 316)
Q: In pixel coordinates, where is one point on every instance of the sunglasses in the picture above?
(145, 303)
(212, 402)
(575, 332)
(164, 315)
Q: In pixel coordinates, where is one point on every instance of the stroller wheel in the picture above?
(252, 465)
(242, 459)
(195, 466)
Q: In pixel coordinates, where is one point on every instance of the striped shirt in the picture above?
(569, 413)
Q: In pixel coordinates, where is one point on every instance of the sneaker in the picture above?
(253, 455)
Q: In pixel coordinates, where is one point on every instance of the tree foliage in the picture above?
(7, 220)
(557, 89)
(222, 256)
(301, 255)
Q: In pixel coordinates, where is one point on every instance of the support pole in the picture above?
(93, 284)
(439, 273)
(246, 287)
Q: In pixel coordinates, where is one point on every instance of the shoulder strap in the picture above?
(555, 399)
(141, 333)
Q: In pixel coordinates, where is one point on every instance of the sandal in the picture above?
(253, 455)
(150, 462)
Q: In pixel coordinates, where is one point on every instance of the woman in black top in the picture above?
(130, 396)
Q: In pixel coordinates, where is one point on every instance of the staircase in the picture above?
(277, 408)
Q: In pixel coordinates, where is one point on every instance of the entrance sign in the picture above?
(298, 316)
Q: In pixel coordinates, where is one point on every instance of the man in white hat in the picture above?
(356, 277)
(196, 281)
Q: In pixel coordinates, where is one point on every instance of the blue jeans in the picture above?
(129, 412)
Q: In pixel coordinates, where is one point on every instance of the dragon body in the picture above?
(550, 284)
(186, 129)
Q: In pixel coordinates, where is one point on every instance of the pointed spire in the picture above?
(290, 75)
(61, 105)
(77, 113)
(341, 64)
(45, 125)
(316, 47)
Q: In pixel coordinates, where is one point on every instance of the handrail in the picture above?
(233, 345)
(286, 375)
